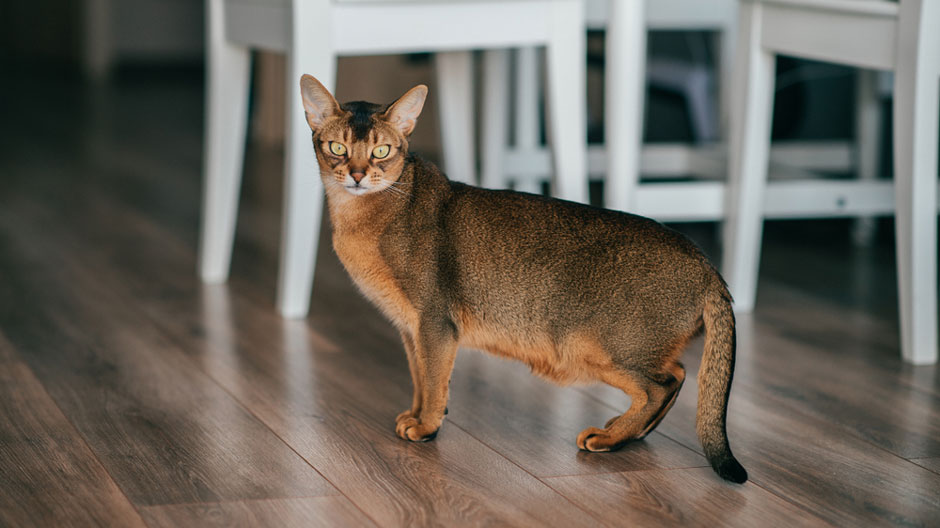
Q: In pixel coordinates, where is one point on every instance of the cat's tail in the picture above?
(714, 384)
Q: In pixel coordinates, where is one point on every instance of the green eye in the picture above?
(337, 149)
(381, 151)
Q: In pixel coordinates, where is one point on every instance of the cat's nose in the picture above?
(357, 176)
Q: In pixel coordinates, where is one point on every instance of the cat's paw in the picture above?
(404, 416)
(597, 440)
(410, 428)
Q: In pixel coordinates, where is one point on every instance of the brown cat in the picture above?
(576, 292)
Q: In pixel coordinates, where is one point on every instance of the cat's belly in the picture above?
(575, 358)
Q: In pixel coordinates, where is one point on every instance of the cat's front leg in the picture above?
(435, 349)
(415, 380)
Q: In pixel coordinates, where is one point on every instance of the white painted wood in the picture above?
(495, 117)
(625, 90)
(401, 26)
(683, 160)
(748, 153)
(916, 111)
(808, 198)
(526, 104)
(727, 41)
(526, 107)
(867, 134)
(227, 79)
(454, 74)
(865, 39)
(565, 54)
(850, 7)
(670, 14)
(303, 192)
(823, 198)
(412, 26)
(882, 34)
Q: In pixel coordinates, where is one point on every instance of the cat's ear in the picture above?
(319, 104)
(403, 113)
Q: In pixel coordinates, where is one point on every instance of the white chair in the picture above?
(313, 33)
(899, 36)
(627, 24)
(625, 67)
(700, 199)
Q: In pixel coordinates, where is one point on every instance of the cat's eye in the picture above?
(338, 149)
(381, 151)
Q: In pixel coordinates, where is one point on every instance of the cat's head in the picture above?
(361, 147)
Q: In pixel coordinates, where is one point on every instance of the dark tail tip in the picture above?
(730, 469)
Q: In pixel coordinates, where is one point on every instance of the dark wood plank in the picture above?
(933, 464)
(326, 512)
(809, 461)
(852, 337)
(49, 476)
(680, 497)
(336, 410)
(164, 430)
(852, 396)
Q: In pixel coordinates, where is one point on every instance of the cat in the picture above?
(576, 292)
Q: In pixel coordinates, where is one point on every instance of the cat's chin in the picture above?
(358, 191)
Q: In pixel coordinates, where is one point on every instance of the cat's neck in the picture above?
(370, 213)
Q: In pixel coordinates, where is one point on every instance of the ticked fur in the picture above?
(577, 293)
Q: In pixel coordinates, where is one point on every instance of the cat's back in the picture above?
(540, 253)
(550, 229)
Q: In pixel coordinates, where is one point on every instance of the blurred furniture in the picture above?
(627, 74)
(898, 36)
(689, 177)
(313, 33)
(628, 23)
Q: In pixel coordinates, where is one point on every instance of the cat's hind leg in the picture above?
(651, 398)
(677, 371)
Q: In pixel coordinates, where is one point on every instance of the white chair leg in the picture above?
(916, 94)
(867, 133)
(454, 72)
(567, 106)
(303, 189)
(625, 90)
(728, 38)
(495, 119)
(526, 105)
(226, 113)
(749, 146)
(526, 108)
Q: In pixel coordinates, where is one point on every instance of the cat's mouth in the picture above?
(357, 189)
(356, 186)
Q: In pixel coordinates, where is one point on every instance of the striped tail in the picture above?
(714, 384)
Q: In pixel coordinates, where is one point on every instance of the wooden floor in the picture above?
(132, 395)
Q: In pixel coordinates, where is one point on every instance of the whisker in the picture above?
(400, 192)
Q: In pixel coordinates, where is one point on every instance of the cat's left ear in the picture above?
(319, 103)
(403, 114)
